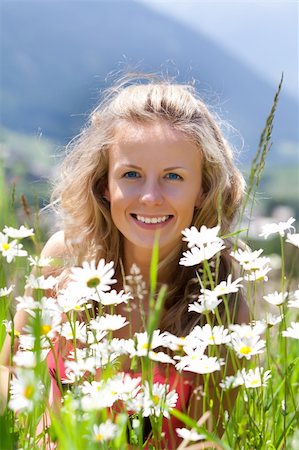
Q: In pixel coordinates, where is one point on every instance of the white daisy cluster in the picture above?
(255, 267)
(10, 248)
(253, 378)
(204, 244)
(95, 353)
(208, 300)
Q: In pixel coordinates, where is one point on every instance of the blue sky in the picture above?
(263, 33)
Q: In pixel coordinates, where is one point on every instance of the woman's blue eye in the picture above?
(131, 174)
(173, 176)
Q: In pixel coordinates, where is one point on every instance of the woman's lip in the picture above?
(151, 224)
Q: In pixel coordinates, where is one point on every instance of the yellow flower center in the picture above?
(45, 329)
(29, 391)
(245, 350)
(99, 437)
(156, 399)
(145, 346)
(5, 246)
(254, 382)
(93, 282)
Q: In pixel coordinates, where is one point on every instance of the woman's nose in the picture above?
(151, 194)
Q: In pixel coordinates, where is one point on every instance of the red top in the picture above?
(168, 376)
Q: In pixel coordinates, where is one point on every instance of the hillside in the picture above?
(56, 56)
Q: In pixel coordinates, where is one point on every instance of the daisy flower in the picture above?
(189, 435)
(246, 347)
(273, 228)
(196, 255)
(158, 399)
(210, 336)
(175, 343)
(160, 357)
(25, 390)
(20, 233)
(294, 299)
(95, 336)
(74, 370)
(115, 298)
(39, 261)
(74, 331)
(246, 256)
(292, 331)
(143, 344)
(25, 359)
(256, 264)
(5, 291)
(31, 306)
(40, 282)
(277, 298)
(202, 237)
(201, 364)
(97, 395)
(8, 324)
(49, 324)
(257, 270)
(69, 299)
(103, 354)
(125, 386)
(293, 238)
(27, 303)
(10, 249)
(92, 279)
(104, 432)
(256, 378)
(232, 381)
(122, 346)
(228, 287)
(109, 322)
(272, 320)
(207, 302)
(248, 331)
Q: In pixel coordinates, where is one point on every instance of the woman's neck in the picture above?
(143, 261)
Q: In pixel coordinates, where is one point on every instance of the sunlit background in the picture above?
(57, 57)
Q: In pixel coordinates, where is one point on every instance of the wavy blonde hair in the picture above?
(89, 229)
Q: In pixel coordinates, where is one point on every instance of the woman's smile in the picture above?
(152, 222)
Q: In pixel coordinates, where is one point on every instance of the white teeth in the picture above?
(152, 219)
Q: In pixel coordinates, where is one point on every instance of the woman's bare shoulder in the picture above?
(55, 247)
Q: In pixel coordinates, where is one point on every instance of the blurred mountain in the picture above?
(55, 57)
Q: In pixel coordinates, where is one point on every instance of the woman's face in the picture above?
(154, 184)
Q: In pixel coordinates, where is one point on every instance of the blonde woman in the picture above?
(151, 160)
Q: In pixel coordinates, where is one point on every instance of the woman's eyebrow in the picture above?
(174, 168)
(132, 166)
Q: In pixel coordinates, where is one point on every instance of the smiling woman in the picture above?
(151, 162)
